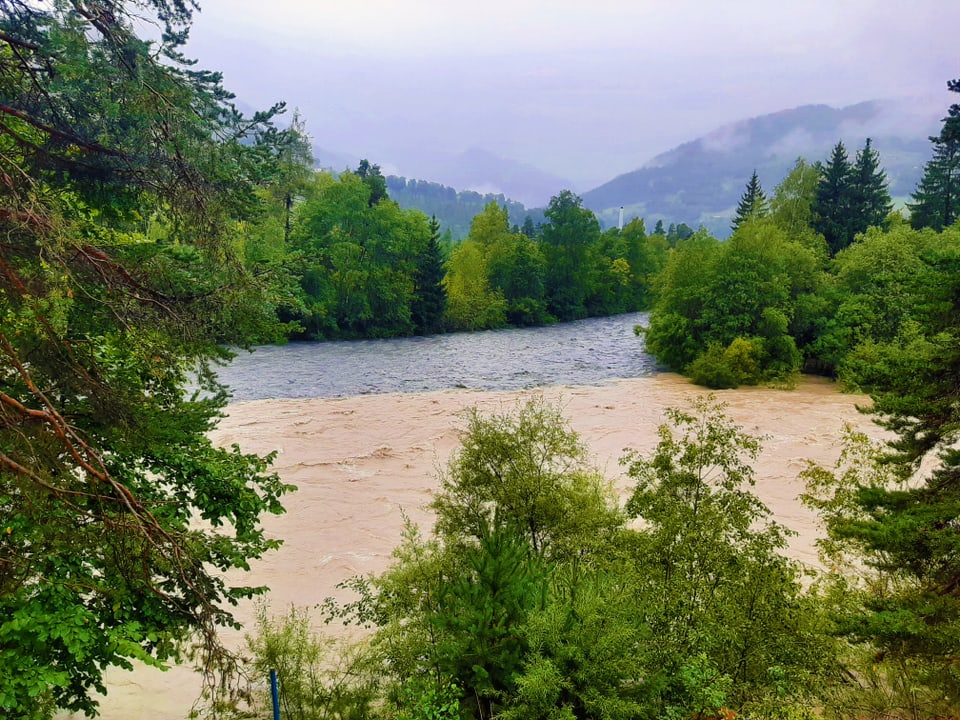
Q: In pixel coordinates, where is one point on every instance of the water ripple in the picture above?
(587, 352)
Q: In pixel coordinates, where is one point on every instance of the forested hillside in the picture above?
(454, 209)
(698, 183)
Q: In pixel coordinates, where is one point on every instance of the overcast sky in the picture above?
(584, 89)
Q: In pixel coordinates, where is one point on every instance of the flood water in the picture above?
(586, 352)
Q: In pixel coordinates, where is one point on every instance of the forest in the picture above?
(148, 225)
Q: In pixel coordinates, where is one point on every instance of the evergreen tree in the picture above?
(832, 208)
(937, 198)
(753, 203)
(870, 198)
(373, 179)
(528, 228)
(658, 228)
(429, 296)
(897, 514)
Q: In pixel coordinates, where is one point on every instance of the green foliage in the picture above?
(901, 625)
(587, 652)
(791, 207)
(125, 170)
(361, 259)
(725, 606)
(937, 198)
(832, 207)
(317, 678)
(730, 367)
(850, 197)
(429, 297)
(567, 236)
(753, 203)
(527, 472)
(893, 513)
(472, 304)
(420, 700)
(882, 284)
(754, 288)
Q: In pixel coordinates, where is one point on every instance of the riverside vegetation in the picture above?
(146, 224)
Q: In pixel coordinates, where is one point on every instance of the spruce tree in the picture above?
(833, 204)
(937, 198)
(870, 197)
(429, 296)
(753, 203)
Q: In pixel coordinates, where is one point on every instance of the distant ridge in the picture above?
(700, 182)
(454, 209)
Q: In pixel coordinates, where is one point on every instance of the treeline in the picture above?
(349, 262)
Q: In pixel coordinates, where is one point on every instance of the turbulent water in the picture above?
(587, 352)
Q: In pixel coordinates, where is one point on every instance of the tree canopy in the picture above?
(123, 168)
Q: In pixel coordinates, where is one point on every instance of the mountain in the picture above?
(455, 210)
(487, 173)
(700, 182)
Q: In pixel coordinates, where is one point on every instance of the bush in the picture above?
(720, 368)
(317, 679)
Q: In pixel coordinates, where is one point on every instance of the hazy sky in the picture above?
(584, 89)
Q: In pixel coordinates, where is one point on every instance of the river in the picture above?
(586, 352)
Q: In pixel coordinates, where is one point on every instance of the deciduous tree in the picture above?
(121, 167)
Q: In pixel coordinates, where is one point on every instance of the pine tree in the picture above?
(870, 197)
(753, 203)
(937, 198)
(833, 204)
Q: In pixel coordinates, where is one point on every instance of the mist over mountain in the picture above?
(700, 182)
(487, 173)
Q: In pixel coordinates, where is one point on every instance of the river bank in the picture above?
(362, 463)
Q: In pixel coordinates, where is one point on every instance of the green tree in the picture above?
(879, 285)
(517, 268)
(358, 259)
(526, 472)
(725, 606)
(871, 198)
(791, 207)
(937, 198)
(471, 303)
(374, 180)
(123, 167)
(833, 205)
(570, 231)
(517, 499)
(896, 513)
(713, 298)
(753, 203)
(429, 296)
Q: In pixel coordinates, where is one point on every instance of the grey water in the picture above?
(586, 352)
